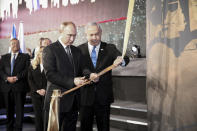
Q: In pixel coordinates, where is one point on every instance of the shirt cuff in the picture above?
(123, 63)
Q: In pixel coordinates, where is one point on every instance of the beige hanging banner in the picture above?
(128, 26)
(53, 122)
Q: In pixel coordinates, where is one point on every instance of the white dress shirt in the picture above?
(12, 55)
(90, 48)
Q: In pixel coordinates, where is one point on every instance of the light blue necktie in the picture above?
(93, 56)
(12, 64)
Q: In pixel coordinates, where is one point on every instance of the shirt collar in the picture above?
(90, 47)
(16, 54)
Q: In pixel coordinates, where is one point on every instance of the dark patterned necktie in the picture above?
(70, 57)
(68, 51)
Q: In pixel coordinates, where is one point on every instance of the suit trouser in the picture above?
(38, 102)
(14, 102)
(68, 121)
(2, 105)
(102, 113)
(46, 118)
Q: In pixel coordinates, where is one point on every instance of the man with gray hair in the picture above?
(63, 68)
(97, 97)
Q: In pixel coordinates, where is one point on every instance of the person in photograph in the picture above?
(97, 97)
(13, 71)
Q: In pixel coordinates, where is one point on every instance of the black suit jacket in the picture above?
(20, 70)
(36, 79)
(60, 74)
(100, 92)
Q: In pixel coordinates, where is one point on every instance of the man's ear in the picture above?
(61, 28)
(100, 31)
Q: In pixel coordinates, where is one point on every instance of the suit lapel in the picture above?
(64, 55)
(9, 62)
(17, 59)
(100, 54)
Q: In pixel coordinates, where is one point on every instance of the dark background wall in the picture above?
(132, 88)
(129, 83)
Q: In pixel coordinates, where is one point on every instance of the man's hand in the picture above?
(118, 61)
(94, 77)
(12, 79)
(79, 80)
(41, 92)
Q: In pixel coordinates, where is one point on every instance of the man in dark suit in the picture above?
(13, 71)
(97, 97)
(63, 68)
